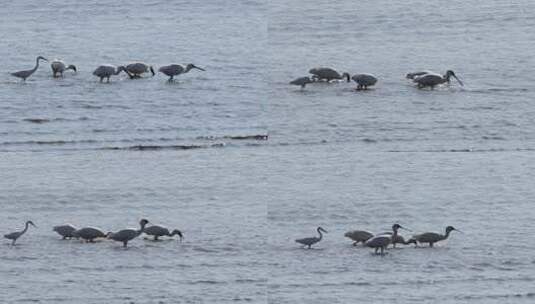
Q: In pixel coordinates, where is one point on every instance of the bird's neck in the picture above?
(188, 68)
(142, 228)
(445, 236)
(321, 234)
(36, 64)
(25, 228)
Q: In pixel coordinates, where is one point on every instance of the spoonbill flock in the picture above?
(89, 234)
(381, 241)
(134, 70)
(422, 79)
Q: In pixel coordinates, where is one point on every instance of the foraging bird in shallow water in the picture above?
(66, 231)
(58, 67)
(431, 80)
(27, 73)
(89, 234)
(126, 235)
(327, 74)
(312, 240)
(107, 70)
(138, 68)
(431, 237)
(358, 236)
(383, 240)
(158, 231)
(176, 69)
(417, 74)
(15, 235)
(301, 81)
(364, 81)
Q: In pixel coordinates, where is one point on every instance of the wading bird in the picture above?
(66, 231)
(17, 234)
(364, 81)
(312, 240)
(176, 69)
(358, 236)
(126, 235)
(383, 240)
(327, 74)
(432, 80)
(107, 70)
(89, 234)
(58, 67)
(138, 68)
(432, 237)
(158, 231)
(27, 73)
(417, 74)
(301, 81)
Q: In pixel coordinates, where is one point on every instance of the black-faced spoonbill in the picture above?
(66, 231)
(126, 235)
(432, 237)
(327, 74)
(58, 67)
(176, 69)
(432, 80)
(364, 81)
(138, 68)
(158, 231)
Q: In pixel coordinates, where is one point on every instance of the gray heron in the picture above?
(107, 70)
(431, 80)
(126, 235)
(327, 74)
(176, 69)
(27, 73)
(138, 68)
(66, 231)
(301, 81)
(17, 234)
(157, 231)
(432, 237)
(312, 240)
(58, 67)
(364, 81)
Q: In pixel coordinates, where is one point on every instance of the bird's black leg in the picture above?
(125, 243)
(430, 244)
(155, 237)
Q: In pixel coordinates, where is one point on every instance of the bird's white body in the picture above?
(107, 70)
(358, 236)
(301, 81)
(138, 68)
(66, 231)
(327, 74)
(127, 235)
(27, 73)
(89, 234)
(432, 237)
(58, 67)
(157, 231)
(433, 79)
(364, 81)
(173, 70)
(13, 236)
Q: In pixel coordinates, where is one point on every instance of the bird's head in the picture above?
(42, 58)
(179, 233)
(450, 73)
(31, 223)
(396, 226)
(451, 228)
(322, 230)
(143, 222)
(192, 66)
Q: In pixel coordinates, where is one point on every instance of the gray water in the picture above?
(74, 150)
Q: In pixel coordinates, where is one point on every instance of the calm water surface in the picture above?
(73, 150)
